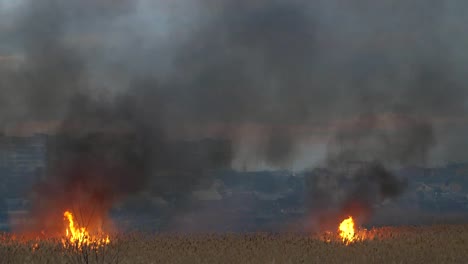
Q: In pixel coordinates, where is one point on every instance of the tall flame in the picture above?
(347, 232)
(80, 237)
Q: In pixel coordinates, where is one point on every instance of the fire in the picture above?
(80, 237)
(347, 232)
(350, 234)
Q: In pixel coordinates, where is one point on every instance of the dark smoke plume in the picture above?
(128, 80)
(358, 170)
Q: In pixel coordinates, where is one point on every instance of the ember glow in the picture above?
(79, 236)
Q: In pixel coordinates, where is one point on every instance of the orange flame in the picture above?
(347, 232)
(80, 237)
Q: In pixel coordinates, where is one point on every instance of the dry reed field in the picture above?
(436, 244)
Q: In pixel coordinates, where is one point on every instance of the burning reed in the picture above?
(435, 244)
(127, 81)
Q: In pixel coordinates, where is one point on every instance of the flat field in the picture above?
(431, 244)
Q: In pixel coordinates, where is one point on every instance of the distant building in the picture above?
(23, 154)
(22, 160)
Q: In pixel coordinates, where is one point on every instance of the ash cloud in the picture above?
(124, 76)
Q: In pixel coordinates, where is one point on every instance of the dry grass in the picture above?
(437, 244)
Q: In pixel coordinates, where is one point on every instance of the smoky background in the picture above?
(122, 81)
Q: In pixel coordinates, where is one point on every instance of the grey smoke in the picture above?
(358, 173)
(155, 70)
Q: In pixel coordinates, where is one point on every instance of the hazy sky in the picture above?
(283, 79)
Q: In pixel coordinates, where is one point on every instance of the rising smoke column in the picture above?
(106, 147)
(359, 170)
(124, 78)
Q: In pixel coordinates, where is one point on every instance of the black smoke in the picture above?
(359, 172)
(127, 79)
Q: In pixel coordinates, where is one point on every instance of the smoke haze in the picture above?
(376, 81)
